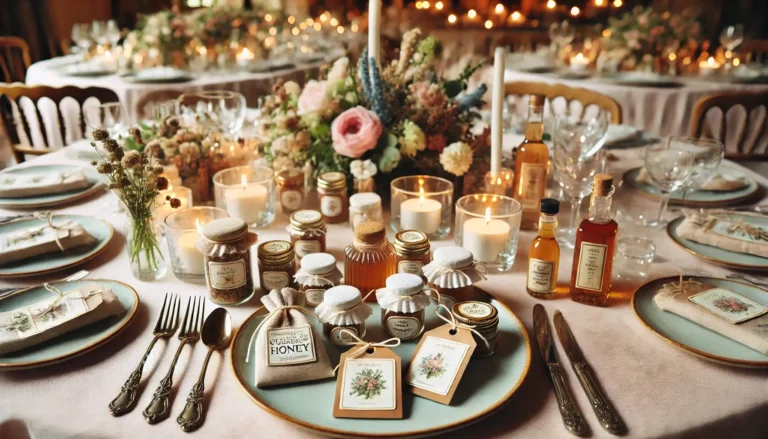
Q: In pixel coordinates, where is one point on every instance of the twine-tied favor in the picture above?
(48, 218)
(454, 324)
(60, 297)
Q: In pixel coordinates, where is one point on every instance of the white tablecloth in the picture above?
(658, 390)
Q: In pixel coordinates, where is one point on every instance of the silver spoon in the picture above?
(217, 331)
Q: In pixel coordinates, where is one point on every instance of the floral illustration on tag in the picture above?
(368, 383)
(56, 313)
(19, 321)
(432, 365)
(731, 304)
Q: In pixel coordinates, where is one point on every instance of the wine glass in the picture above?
(112, 33)
(732, 36)
(220, 110)
(99, 32)
(109, 116)
(582, 134)
(561, 34)
(707, 156)
(81, 37)
(668, 168)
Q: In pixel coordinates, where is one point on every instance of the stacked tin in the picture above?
(483, 318)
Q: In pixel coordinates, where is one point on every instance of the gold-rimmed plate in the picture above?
(486, 385)
(689, 336)
(74, 343)
(101, 230)
(38, 201)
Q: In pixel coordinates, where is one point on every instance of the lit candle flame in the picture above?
(243, 181)
(487, 215)
(421, 196)
(197, 225)
(711, 61)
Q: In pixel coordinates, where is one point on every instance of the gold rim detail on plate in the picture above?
(685, 348)
(96, 186)
(83, 350)
(346, 433)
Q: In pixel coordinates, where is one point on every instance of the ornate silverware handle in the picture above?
(159, 408)
(568, 410)
(125, 401)
(604, 410)
(192, 416)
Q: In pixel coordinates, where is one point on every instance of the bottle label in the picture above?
(340, 338)
(227, 275)
(293, 345)
(307, 247)
(533, 178)
(291, 199)
(403, 327)
(330, 206)
(541, 276)
(589, 274)
(275, 280)
(411, 267)
(314, 296)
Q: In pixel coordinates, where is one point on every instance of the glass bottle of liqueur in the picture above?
(544, 255)
(531, 164)
(595, 243)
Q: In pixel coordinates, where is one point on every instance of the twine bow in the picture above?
(456, 324)
(48, 217)
(754, 232)
(476, 267)
(60, 297)
(365, 345)
(269, 316)
(679, 288)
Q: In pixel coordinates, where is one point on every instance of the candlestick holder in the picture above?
(248, 193)
(423, 203)
(182, 231)
(500, 184)
(488, 226)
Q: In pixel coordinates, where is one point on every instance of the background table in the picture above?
(658, 390)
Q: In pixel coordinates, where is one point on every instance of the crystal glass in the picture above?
(112, 32)
(248, 193)
(634, 257)
(99, 32)
(182, 229)
(582, 135)
(488, 226)
(500, 184)
(423, 203)
(707, 156)
(732, 36)
(220, 110)
(82, 38)
(561, 34)
(668, 168)
(110, 116)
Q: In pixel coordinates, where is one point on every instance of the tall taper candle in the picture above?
(497, 109)
(374, 23)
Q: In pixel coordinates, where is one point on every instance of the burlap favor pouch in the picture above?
(288, 349)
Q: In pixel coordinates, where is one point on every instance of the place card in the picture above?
(369, 385)
(728, 305)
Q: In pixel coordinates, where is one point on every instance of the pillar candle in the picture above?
(246, 202)
(486, 238)
(190, 257)
(422, 214)
(497, 128)
(374, 22)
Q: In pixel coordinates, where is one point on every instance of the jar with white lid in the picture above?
(318, 273)
(453, 273)
(402, 303)
(343, 308)
(365, 206)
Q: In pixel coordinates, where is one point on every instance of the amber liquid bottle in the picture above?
(531, 164)
(544, 255)
(595, 243)
(369, 260)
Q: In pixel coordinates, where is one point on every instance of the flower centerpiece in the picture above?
(135, 177)
(404, 118)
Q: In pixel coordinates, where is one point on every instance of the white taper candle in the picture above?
(497, 108)
(374, 23)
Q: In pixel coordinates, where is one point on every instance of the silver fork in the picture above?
(159, 408)
(166, 325)
(71, 278)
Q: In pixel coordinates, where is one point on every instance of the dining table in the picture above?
(658, 390)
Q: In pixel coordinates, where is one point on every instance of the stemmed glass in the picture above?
(668, 168)
(732, 36)
(112, 33)
(218, 109)
(561, 34)
(707, 156)
(99, 32)
(81, 37)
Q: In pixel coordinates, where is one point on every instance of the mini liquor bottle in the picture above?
(595, 243)
(544, 255)
(531, 164)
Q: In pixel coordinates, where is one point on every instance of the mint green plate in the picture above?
(720, 256)
(99, 229)
(73, 343)
(697, 198)
(53, 199)
(487, 384)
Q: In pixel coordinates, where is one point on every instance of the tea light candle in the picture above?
(579, 63)
(244, 57)
(189, 256)
(171, 173)
(246, 202)
(422, 214)
(485, 237)
(164, 208)
(109, 61)
(708, 67)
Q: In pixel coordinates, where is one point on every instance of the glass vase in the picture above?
(143, 246)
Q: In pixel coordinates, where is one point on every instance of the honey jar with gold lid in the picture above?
(412, 250)
(483, 318)
(307, 230)
(334, 199)
(277, 265)
(290, 189)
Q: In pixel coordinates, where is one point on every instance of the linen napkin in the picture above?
(674, 299)
(63, 312)
(718, 183)
(57, 235)
(726, 232)
(28, 185)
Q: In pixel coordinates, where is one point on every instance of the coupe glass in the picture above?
(216, 109)
(668, 168)
(707, 156)
(732, 36)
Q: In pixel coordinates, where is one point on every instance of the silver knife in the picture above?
(605, 412)
(568, 410)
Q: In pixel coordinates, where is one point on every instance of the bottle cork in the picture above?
(536, 101)
(370, 232)
(603, 184)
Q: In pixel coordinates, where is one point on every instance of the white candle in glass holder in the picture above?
(164, 208)
(579, 63)
(486, 238)
(422, 214)
(189, 256)
(247, 201)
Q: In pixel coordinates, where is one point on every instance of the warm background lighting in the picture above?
(516, 16)
(439, 6)
(575, 11)
(471, 13)
(488, 24)
(599, 2)
(617, 3)
(499, 8)
(425, 5)
(551, 4)
(452, 19)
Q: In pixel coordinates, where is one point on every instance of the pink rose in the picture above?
(313, 98)
(355, 131)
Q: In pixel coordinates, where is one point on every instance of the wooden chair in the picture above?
(755, 50)
(569, 94)
(14, 59)
(746, 146)
(18, 93)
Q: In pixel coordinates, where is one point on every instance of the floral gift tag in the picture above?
(369, 385)
(439, 362)
(728, 305)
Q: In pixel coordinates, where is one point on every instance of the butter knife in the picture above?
(568, 410)
(604, 411)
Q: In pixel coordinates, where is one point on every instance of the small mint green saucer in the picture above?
(37, 201)
(487, 384)
(692, 338)
(73, 343)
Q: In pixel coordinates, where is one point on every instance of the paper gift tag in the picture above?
(438, 363)
(730, 306)
(369, 385)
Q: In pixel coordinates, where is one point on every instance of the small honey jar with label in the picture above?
(402, 304)
(277, 265)
(412, 251)
(318, 273)
(343, 308)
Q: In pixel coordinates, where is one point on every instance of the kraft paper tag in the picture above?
(439, 362)
(369, 385)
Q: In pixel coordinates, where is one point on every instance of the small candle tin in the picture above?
(483, 318)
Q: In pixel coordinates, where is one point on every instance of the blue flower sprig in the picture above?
(473, 99)
(374, 88)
